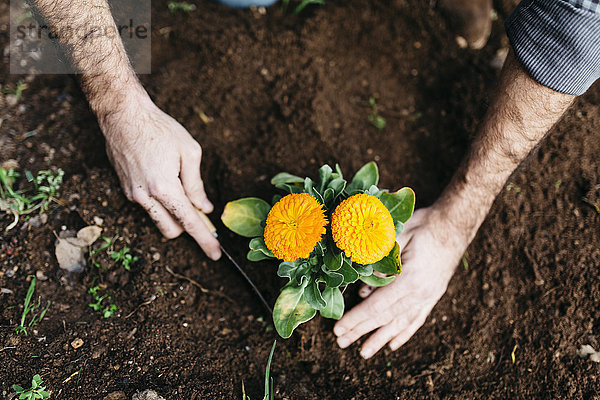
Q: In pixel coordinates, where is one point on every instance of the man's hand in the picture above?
(158, 163)
(430, 252)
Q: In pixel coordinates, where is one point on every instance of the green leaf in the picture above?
(286, 269)
(390, 264)
(367, 176)
(268, 380)
(324, 177)
(400, 204)
(290, 188)
(338, 185)
(349, 273)
(257, 255)
(244, 216)
(333, 258)
(291, 309)
(284, 177)
(328, 196)
(313, 296)
(338, 171)
(363, 270)
(331, 278)
(374, 280)
(258, 244)
(18, 389)
(335, 303)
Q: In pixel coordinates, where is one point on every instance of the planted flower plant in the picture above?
(328, 234)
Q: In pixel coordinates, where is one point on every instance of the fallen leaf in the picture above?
(89, 234)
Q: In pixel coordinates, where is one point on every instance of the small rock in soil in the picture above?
(116, 396)
(40, 275)
(147, 395)
(77, 343)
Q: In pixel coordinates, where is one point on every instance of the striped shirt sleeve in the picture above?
(558, 42)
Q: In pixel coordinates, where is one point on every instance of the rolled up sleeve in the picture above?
(558, 42)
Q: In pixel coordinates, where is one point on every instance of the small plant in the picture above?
(18, 91)
(36, 391)
(107, 308)
(29, 307)
(328, 234)
(269, 393)
(374, 118)
(285, 4)
(45, 184)
(183, 6)
(124, 257)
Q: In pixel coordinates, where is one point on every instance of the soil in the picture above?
(290, 93)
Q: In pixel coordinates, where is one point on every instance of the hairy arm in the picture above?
(157, 160)
(434, 240)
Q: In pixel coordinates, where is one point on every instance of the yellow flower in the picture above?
(363, 228)
(295, 225)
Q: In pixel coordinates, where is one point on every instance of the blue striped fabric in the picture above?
(558, 42)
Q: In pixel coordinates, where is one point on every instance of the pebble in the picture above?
(116, 396)
(98, 221)
(40, 275)
(77, 343)
(11, 100)
(147, 395)
(461, 42)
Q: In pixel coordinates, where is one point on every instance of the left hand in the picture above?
(431, 249)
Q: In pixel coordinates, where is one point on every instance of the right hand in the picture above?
(158, 163)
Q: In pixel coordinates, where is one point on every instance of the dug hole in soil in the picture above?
(290, 93)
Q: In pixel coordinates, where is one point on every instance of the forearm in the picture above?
(521, 114)
(87, 33)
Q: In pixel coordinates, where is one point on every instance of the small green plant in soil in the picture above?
(43, 190)
(17, 91)
(269, 393)
(36, 391)
(301, 6)
(374, 118)
(123, 256)
(107, 308)
(183, 6)
(31, 308)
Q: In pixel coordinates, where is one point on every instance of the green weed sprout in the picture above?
(269, 393)
(36, 391)
(301, 6)
(374, 118)
(186, 7)
(37, 198)
(108, 309)
(28, 307)
(18, 91)
(124, 257)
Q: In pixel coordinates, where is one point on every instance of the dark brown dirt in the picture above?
(290, 93)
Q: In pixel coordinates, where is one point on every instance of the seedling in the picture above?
(18, 91)
(186, 7)
(45, 184)
(28, 307)
(301, 6)
(124, 257)
(269, 393)
(36, 391)
(374, 118)
(107, 308)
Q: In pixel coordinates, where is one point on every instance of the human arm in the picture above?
(156, 159)
(434, 240)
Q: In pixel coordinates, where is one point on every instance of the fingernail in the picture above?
(215, 255)
(207, 205)
(343, 342)
(366, 352)
(339, 331)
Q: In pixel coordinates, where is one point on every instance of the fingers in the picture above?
(192, 181)
(379, 339)
(165, 222)
(174, 200)
(362, 328)
(404, 335)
